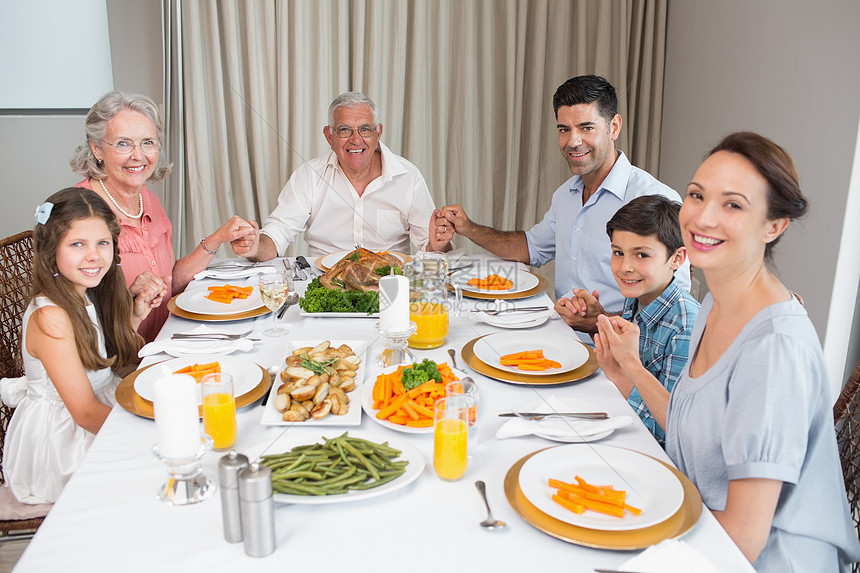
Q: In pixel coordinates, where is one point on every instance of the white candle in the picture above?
(176, 416)
(394, 303)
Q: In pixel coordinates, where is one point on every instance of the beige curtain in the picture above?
(464, 88)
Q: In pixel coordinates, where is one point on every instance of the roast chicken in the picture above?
(357, 270)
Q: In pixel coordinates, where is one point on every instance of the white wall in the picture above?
(36, 149)
(788, 70)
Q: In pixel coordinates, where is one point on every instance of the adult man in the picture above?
(358, 194)
(573, 231)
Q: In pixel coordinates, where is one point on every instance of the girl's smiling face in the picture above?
(724, 215)
(85, 253)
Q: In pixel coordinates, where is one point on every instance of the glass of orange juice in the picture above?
(431, 321)
(219, 410)
(451, 436)
(428, 299)
(468, 388)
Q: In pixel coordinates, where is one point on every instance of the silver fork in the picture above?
(209, 335)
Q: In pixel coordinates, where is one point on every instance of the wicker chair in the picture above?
(846, 416)
(16, 271)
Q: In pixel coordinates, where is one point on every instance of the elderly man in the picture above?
(358, 194)
(573, 231)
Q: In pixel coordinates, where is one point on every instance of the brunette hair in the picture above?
(110, 297)
(84, 162)
(587, 89)
(784, 197)
(650, 215)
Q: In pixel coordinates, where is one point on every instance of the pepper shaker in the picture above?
(228, 476)
(257, 509)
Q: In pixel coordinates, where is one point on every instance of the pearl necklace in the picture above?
(121, 210)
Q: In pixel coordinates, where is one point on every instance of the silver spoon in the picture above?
(453, 356)
(488, 523)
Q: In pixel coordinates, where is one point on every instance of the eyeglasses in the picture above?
(345, 132)
(126, 147)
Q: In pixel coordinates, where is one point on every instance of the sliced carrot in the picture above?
(574, 507)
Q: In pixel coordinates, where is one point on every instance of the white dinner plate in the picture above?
(289, 440)
(271, 416)
(512, 320)
(568, 352)
(568, 405)
(330, 260)
(523, 280)
(650, 485)
(246, 374)
(367, 404)
(179, 348)
(195, 301)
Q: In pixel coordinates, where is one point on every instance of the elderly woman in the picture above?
(122, 152)
(750, 419)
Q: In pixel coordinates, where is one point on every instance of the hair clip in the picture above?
(43, 212)
(55, 274)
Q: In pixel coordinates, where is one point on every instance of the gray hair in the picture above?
(84, 162)
(352, 99)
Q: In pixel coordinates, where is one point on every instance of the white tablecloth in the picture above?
(108, 517)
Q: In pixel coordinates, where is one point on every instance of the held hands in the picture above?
(618, 341)
(148, 292)
(440, 233)
(455, 217)
(580, 310)
(247, 239)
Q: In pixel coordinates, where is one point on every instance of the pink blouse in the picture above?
(150, 251)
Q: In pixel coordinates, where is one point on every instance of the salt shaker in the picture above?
(228, 476)
(257, 509)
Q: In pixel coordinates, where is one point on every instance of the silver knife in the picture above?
(539, 415)
(305, 265)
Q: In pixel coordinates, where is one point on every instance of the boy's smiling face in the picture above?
(642, 266)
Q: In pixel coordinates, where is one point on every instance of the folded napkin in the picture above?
(511, 318)
(233, 273)
(669, 556)
(564, 429)
(183, 347)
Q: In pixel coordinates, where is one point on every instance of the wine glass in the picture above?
(274, 288)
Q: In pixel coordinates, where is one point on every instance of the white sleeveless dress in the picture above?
(43, 445)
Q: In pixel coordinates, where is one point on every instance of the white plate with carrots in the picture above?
(246, 374)
(503, 280)
(196, 301)
(390, 405)
(650, 487)
(558, 354)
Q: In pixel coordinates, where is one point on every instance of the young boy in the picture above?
(644, 351)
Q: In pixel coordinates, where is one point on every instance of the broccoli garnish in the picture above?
(321, 299)
(386, 270)
(419, 373)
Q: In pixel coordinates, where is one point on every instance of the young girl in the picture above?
(68, 355)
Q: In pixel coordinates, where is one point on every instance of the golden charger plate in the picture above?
(175, 310)
(680, 523)
(404, 257)
(128, 398)
(478, 365)
(541, 286)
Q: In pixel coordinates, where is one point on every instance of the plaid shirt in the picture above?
(665, 327)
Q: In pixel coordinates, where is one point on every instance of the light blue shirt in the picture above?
(575, 234)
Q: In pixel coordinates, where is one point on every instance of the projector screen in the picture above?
(54, 54)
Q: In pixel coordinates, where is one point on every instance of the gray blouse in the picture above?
(763, 411)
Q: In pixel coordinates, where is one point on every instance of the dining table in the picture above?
(109, 517)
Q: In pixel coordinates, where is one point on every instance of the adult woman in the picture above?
(749, 420)
(122, 152)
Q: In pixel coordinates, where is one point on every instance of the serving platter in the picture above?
(271, 416)
(325, 262)
(676, 526)
(584, 371)
(289, 440)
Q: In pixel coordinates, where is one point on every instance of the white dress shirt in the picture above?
(320, 201)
